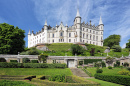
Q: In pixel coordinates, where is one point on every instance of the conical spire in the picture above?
(45, 22)
(29, 32)
(77, 15)
(100, 22)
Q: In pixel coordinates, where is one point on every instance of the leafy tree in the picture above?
(126, 64)
(116, 48)
(112, 40)
(42, 57)
(11, 39)
(128, 44)
(77, 49)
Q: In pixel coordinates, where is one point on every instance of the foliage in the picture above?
(128, 68)
(119, 79)
(117, 64)
(42, 57)
(25, 60)
(126, 64)
(14, 83)
(92, 51)
(97, 64)
(10, 65)
(80, 62)
(86, 61)
(112, 40)
(109, 67)
(99, 71)
(11, 39)
(34, 61)
(2, 60)
(77, 49)
(13, 61)
(103, 64)
(128, 44)
(59, 78)
(124, 72)
(116, 48)
(109, 59)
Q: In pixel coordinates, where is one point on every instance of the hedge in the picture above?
(31, 65)
(13, 61)
(119, 79)
(86, 61)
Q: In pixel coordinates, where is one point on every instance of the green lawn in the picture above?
(113, 71)
(34, 71)
(104, 83)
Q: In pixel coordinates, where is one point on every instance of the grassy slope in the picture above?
(34, 71)
(113, 71)
(59, 46)
(104, 83)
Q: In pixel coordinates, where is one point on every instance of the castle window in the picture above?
(69, 40)
(69, 34)
(83, 35)
(53, 40)
(90, 31)
(59, 40)
(83, 40)
(74, 40)
(87, 41)
(101, 32)
(83, 29)
(37, 36)
(40, 35)
(90, 42)
(93, 32)
(93, 42)
(96, 38)
(87, 36)
(49, 35)
(63, 40)
(90, 37)
(61, 34)
(96, 32)
(101, 38)
(87, 30)
(93, 37)
(53, 35)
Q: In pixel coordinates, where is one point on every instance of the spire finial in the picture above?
(29, 32)
(100, 22)
(77, 15)
(45, 22)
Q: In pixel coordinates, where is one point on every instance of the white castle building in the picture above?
(77, 33)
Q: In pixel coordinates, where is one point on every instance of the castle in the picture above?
(77, 33)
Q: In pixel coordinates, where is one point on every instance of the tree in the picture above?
(128, 44)
(77, 49)
(112, 40)
(42, 57)
(11, 39)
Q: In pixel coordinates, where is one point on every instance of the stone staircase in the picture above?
(79, 72)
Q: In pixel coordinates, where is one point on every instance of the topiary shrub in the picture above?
(34, 61)
(126, 64)
(99, 71)
(2, 60)
(109, 67)
(123, 72)
(26, 60)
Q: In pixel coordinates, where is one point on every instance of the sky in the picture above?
(31, 14)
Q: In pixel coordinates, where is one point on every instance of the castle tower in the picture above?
(29, 38)
(77, 24)
(45, 30)
(101, 29)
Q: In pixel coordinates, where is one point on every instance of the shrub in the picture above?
(42, 57)
(126, 64)
(26, 60)
(2, 60)
(116, 48)
(13, 61)
(59, 78)
(103, 64)
(77, 49)
(99, 71)
(10, 65)
(119, 79)
(34, 61)
(86, 61)
(80, 62)
(128, 68)
(109, 67)
(123, 72)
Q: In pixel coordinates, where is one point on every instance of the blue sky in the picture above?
(31, 14)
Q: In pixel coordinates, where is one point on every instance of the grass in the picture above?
(34, 71)
(59, 46)
(113, 71)
(14, 83)
(105, 83)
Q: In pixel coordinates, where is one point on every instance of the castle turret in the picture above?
(101, 29)
(77, 24)
(45, 31)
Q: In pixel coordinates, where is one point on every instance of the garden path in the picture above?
(79, 72)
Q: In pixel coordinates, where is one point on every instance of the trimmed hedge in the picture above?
(31, 65)
(119, 79)
(2, 60)
(86, 61)
(13, 61)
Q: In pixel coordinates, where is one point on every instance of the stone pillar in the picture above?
(76, 62)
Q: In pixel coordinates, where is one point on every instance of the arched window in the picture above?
(69, 34)
(83, 35)
(61, 34)
(53, 35)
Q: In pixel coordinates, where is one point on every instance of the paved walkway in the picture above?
(79, 72)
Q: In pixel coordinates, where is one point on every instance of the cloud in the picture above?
(124, 45)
